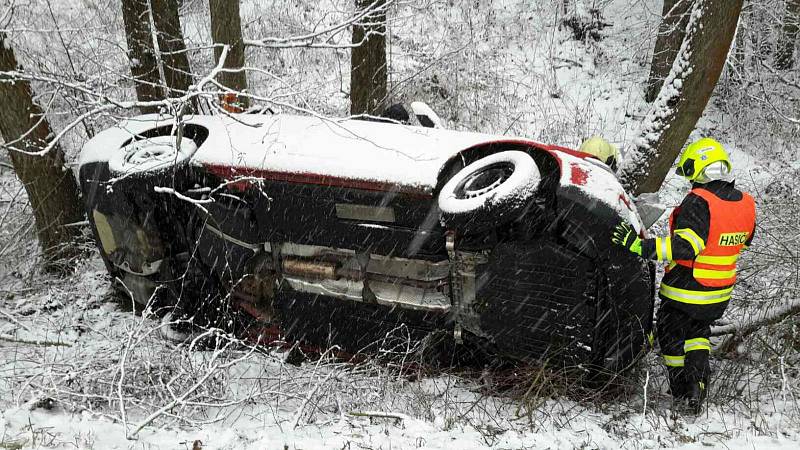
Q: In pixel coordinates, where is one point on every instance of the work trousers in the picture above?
(684, 347)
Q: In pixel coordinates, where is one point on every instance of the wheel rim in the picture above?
(144, 152)
(484, 180)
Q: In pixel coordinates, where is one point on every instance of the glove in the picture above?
(624, 235)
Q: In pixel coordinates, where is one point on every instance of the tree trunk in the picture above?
(784, 57)
(226, 28)
(368, 61)
(177, 73)
(684, 95)
(51, 187)
(143, 62)
(671, 31)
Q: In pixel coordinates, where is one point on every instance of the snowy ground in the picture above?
(67, 364)
(79, 370)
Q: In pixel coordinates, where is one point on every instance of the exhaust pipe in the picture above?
(318, 270)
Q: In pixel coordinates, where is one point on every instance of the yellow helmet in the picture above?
(602, 150)
(698, 156)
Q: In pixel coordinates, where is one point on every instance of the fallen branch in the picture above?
(10, 338)
(386, 415)
(737, 331)
(11, 318)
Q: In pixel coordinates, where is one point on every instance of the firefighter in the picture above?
(602, 150)
(707, 232)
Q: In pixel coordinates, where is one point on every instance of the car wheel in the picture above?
(152, 154)
(490, 191)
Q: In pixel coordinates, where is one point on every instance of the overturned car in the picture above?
(339, 232)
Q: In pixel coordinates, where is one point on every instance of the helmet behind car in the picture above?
(602, 150)
(704, 160)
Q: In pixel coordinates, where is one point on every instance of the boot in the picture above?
(678, 386)
(696, 371)
(696, 397)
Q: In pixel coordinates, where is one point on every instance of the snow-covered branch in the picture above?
(323, 38)
(196, 202)
(769, 316)
(104, 103)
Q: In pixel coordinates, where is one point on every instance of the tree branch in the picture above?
(310, 40)
(738, 331)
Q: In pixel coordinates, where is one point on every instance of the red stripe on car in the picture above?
(232, 173)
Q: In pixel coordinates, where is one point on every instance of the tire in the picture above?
(489, 192)
(153, 154)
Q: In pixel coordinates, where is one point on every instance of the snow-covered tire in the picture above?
(489, 192)
(152, 154)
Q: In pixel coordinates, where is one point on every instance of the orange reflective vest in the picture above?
(730, 225)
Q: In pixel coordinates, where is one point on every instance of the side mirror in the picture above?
(650, 208)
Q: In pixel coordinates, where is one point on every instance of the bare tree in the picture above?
(368, 70)
(671, 31)
(226, 29)
(684, 95)
(141, 52)
(784, 57)
(51, 187)
(156, 49)
(172, 47)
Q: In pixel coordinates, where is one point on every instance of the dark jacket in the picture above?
(694, 214)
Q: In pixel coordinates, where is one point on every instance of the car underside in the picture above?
(323, 260)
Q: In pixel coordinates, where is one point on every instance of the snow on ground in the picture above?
(82, 431)
(76, 352)
(501, 67)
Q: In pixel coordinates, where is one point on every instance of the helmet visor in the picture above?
(718, 170)
(686, 169)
